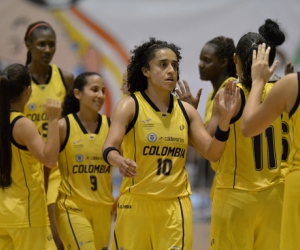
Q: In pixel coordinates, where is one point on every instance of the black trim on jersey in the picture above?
(182, 219)
(19, 146)
(184, 112)
(235, 156)
(293, 110)
(108, 121)
(83, 128)
(62, 147)
(28, 189)
(62, 78)
(243, 103)
(171, 104)
(47, 80)
(131, 124)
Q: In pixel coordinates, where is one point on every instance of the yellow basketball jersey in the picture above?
(84, 173)
(54, 88)
(157, 141)
(286, 125)
(295, 132)
(208, 112)
(251, 164)
(23, 203)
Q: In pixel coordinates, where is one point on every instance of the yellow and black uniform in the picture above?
(249, 188)
(24, 222)
(55, 87)
(84, 207)
(155, 207)
(208, 113)
(291, 212)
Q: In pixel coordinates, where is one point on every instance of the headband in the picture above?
(34, 27)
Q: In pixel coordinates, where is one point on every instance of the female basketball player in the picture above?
(84, 206)
(257, 117)
(249, 181)
(154, 127)
(24, 222)
(47, 81)
(217, 66)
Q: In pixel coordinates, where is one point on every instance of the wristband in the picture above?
(106, 152)
(221, 135)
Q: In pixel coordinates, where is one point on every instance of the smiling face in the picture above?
(163, 70)
(42, 46)
(209, 66)
(93, 95)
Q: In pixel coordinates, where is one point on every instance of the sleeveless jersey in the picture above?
(23, 203)
(157, 141)
(84, 173)
(210, 101)
(55, 88)
(208, 112)
(251, 164)
(295, 132)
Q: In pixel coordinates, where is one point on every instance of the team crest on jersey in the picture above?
(164, 115)
(32, 106)
(79, 157)
(92, 137)
(181, 127)
(152, 137)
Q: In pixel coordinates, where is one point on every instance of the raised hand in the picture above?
(260, 70)
(52, 109)
(226, 99)
(184, 94)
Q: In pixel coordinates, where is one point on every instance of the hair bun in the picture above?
(271, 32)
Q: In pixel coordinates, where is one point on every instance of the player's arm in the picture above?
(216, 114)
(69, 79)
(25, 133)
(258, 116)
(122, 116)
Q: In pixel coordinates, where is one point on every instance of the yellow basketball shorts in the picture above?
(246, 220)
(144, 223)
(83, 226)
(28, 238)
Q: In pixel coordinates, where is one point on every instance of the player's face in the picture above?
(124, 86)
(42, 46)
(209, 66)
(93, 95)
(163, 70)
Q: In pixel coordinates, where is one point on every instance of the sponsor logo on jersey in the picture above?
(94, 158)
(92, 137)
(87, 169)
(146, 124)
(32, 106)
(42, 86)
(49, 237)
(164, 151)
(164, 115)
(171, 138)
(124, 206)
(181, 127)
(151, 137)
(79, 157)
(76, 142)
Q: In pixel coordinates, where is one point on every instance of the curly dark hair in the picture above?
(71, 103)
(225, 48)
(270, 34)
(141, 57)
